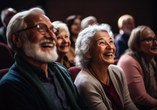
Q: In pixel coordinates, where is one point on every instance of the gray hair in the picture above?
(61, 26)
(17, 23)
(84, 22)
(83, 42)
(135, 36)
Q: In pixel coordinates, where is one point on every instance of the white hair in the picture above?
(61, 26)
(17, 23)
(84, 22)
(83, 42)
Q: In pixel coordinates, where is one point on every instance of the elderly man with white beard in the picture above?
(36, 81)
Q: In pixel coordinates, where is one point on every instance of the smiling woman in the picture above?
(140, 68)
(63, 43)
(101, 85)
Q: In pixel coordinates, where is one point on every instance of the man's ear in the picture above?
(14, 37)
(88, 55)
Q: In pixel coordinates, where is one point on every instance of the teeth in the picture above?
(47, 45)
(108, 54)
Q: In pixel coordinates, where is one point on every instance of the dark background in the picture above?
(106, 11)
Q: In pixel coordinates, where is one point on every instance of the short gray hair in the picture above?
(84, 22)
(60, 26)
(83, 42)
(17, 23)
(135, 36)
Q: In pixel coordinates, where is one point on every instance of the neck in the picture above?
(42, 65)
(100, 72)
(149, 58)
(74, 37)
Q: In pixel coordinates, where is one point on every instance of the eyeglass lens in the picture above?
(43, 29)
(152, 40)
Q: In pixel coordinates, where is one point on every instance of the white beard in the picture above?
(34, 51)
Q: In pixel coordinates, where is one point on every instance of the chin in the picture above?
(34, 51)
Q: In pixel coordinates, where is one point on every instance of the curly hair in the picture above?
(83, 42)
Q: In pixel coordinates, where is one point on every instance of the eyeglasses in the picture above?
(150, 40)
(42, 28)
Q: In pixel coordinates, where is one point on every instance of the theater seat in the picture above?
(6, 57)
(74, 71)
(3, 72)
(116, 61)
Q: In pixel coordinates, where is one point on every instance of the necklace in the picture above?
(95, 75)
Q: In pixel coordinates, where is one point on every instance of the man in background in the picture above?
(6, 15)
(126, 24)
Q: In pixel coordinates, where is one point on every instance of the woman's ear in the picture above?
(14, 37)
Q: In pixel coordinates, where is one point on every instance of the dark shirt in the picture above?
(121, 43)
(113, 96)
(53, 86)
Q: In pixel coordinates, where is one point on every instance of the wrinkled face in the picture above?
(102, 49)
(149, 49)
(76, 26)
(38, 46)
(63, 42)
(128, 26)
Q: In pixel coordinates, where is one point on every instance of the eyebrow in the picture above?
(102, 39)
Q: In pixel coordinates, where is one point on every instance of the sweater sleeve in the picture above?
(90, 93)
(134, 77)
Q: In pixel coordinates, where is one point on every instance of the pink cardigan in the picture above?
(134, 77)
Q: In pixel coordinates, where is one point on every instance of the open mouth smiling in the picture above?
(108, 54)
(47, 43)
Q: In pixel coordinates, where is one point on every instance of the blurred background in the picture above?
(106, 11)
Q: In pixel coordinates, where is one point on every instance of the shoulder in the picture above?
(60, 66)
(116, 70)
(127, 60)
(11, 75)
(85, 80)
(62, 69)
(13, 80)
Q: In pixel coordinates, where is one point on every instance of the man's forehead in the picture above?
(33, 19)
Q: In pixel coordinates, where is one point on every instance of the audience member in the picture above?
(63, 43)
(6, 15)
(88, 21)
(101, 85)
(140, 68)
(74, 25)
(35, 81)
(125, 24)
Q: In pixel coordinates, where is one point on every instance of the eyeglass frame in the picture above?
(56, 33)
(148, 40)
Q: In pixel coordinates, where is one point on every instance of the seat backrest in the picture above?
(3, 72)
(6, 56)
(116, 61)
(74, 71)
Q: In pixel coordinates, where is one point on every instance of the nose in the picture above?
(64, 40)
(51, 35)
(109, 46)
(155, 42)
